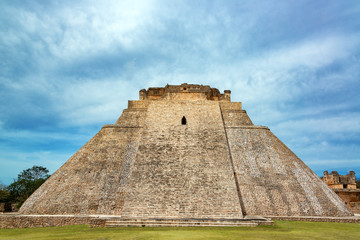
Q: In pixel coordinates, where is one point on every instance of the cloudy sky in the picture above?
(69, 67)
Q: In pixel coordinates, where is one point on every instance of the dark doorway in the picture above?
(183, 121)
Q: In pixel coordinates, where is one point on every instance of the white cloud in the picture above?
(344, 124)
(37, 136)
(314, 52)
(274, 70)
(93, 102)
(76, 30)
(85, 59)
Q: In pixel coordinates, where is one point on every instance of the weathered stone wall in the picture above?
(138, 104)
(317, 219)
(354, 207)
(218, 165)
(234, 118)
(274, 181)
(227, 106)
(184, 92)
(185, 96)
(351, 197)
(183, 171)
(132, 118)
(94, 180)
(18, 221)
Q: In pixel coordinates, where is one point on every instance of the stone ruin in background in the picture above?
(345, 187)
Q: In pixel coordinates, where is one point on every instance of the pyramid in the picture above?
(185, 151)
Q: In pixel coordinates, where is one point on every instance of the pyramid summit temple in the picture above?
(185, 152)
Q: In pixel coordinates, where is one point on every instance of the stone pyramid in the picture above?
(185, 151)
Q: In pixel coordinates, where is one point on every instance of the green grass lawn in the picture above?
(281, 230)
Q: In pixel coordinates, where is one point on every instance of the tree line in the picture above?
(26, 183)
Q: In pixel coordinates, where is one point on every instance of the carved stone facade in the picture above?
(185, 151)
(345, 187)
(184, 92)
(336, 181)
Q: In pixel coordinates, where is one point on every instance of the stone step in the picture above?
(169, 222)
(119, 222)
(219, 220)
(178, 224)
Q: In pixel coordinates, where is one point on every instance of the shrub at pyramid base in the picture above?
(185, 151)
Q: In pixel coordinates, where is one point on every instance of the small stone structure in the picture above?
(180, 153)
(336, 181)
(8, 207)
(345, 187)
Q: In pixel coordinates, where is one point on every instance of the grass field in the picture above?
(281, 230)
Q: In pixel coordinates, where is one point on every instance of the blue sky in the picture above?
(69, 67)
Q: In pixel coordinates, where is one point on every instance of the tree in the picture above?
(27, 182)
(34, 173)
(358, 183)
(4, 193)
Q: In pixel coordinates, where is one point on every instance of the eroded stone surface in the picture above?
(215, 164)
